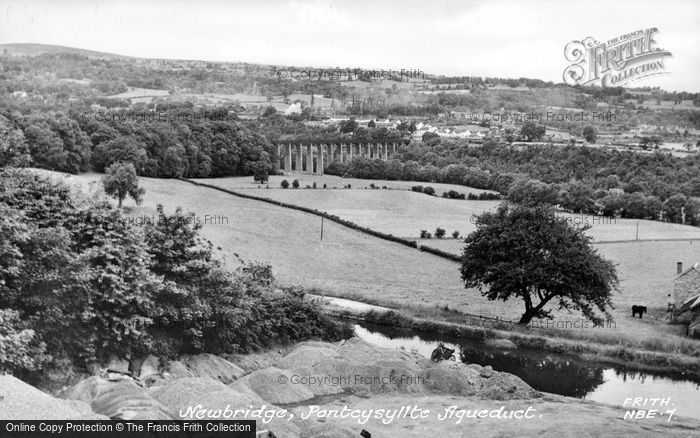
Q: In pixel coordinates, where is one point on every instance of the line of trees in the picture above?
(576, 178)
(166, 149)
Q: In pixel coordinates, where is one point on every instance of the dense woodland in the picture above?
(79, 282)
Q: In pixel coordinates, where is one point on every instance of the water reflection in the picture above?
(544, 373)
(551, 373)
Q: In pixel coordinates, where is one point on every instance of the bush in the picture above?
(429, 191)
(423, 234)
(417, 189)
(284, 184)
(313, 185)
(453, 194)
(439, 233)
(455, 234)
(19, 349)
(484, 197)
(295, 183)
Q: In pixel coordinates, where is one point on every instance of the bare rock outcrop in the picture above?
(255, 361)
(305, 356)
(205, 398)
(118, 399)
(277, 386)
(174, 369)
(456, 378)
(21, 401)
(209, 365)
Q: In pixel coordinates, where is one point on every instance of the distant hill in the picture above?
(30, 49)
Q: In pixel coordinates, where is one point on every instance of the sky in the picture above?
(452, 37)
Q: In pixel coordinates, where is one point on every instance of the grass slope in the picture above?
(355, 265)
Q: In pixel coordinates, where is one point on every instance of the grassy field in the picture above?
(333, 182)
(347, 260)
(404, 213)
(352, 264)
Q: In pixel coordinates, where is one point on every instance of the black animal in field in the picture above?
(442, 353)
(638, 310)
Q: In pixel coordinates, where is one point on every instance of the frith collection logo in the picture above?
(616, 62)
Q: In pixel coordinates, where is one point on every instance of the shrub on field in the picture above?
(453, 194)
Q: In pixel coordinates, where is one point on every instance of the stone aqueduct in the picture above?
(312, 157)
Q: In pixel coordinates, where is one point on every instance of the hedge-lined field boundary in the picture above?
(441, 253)
(330, 217)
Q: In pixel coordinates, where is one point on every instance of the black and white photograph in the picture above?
(349, 218)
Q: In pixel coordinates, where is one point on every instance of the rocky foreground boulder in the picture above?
(456, 378)
(118, 398)
(20, 401)
(367, 378)
(209, 365)
(192, 397)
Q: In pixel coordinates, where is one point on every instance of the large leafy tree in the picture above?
(531, 254)
(533, 131)
(121, 181)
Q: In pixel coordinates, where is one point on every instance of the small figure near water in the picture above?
(442, 353)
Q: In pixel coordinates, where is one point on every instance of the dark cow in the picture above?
(638, 310)
(442, 353)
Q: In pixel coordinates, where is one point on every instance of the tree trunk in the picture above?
(530, 311)
(527, 316)
(120, 202)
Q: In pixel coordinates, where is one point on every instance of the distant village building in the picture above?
(294, 108)
(141, 95)
(686, 297)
